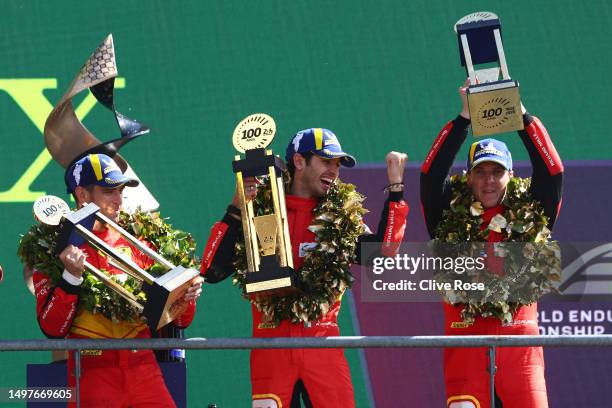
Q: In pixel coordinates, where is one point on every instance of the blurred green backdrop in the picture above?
(382, 74)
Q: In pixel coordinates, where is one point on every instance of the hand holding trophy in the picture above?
(164, 294)
(494, 103)
(51, 210)
(266, 237)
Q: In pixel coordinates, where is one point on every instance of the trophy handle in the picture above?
(285, 225)
(280, 211)
(100, 245)
(501, 54)
(120, 290)
(468, 59)
(136, 242)
(122, 268)
(246, 209)
(252, 234)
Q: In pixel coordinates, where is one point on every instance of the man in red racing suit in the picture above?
(314, 157)
(109, 378)
(519, 378)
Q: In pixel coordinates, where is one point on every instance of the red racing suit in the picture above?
(109, 378)
(519, 376)
(324, 372)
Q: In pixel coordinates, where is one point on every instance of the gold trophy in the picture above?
(164, 294)
(266, 237)
(494, 102)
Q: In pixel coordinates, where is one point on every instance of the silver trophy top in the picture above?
(50, 210)
(476, 17)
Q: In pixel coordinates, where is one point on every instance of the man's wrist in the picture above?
(232, 215)
(233, 211)
(396, 196)
(72, 278)
(394, 187)
(465, 116)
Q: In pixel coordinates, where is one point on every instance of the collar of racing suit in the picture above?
(300, 204)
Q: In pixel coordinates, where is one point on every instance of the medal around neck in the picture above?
(266, 237)
(494, 101)
(164, 294)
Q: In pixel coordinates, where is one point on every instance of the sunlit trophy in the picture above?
(164, 294)
(494, 102)
(266, 237)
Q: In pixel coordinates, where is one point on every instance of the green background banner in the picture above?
(383, 75)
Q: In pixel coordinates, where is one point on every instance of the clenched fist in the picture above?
(465, 108)
(250, 190)
(73, 259)
(396, 163)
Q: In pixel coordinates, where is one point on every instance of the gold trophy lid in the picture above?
(50, 210)
(256, 131)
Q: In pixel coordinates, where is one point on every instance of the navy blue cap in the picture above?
(489, 150)
(322, 142)
(98, 169)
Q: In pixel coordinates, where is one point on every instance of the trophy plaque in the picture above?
(164, 294)
(266, 237)
(494, 102)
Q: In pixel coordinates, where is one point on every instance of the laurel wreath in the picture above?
(36, 249)
(325, 273)
(529, 271)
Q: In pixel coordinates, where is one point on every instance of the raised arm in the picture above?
(435, 185)
(392, 223)
(547, 176)
(56, 304)
(218, 256)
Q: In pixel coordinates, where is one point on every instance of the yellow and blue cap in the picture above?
(319, 141)
(96, 169)
(489, 150)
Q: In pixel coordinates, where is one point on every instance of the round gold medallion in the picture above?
(254, 132)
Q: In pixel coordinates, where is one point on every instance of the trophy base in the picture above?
(165, 296)
(495, 107)
(272, 280)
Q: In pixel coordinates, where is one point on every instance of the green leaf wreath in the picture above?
(37, 245)
(325, 273)
(530, 270)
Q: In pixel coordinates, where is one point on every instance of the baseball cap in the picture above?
(322, 142)
(489, 150)
(98, 169)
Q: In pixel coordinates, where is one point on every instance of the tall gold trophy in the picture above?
(266, 237)
(494, 102)
(164, 294)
